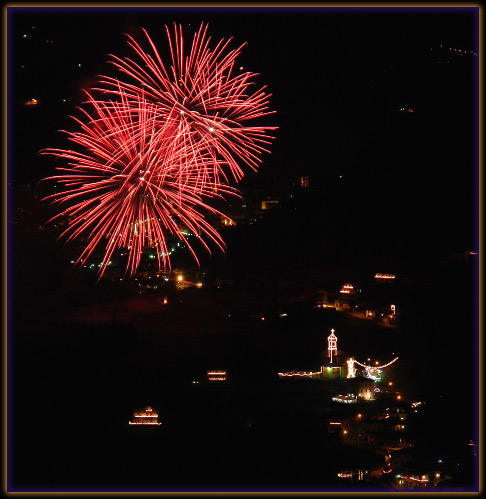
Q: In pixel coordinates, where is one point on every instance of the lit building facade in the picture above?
(145, 417)
(347, 289)
(219, 375)
(364, 388)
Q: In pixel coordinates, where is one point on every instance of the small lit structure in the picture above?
(301, 374)
(347, 289)
(333, 372)
(217, 375)
(269, 203)
(146, 416)
(345, 399)
(354, 475)
(332, 345)
(303, 181)
(384, 277)
(351, 368)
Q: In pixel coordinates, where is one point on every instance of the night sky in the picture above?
(391, 190)
(338, 78)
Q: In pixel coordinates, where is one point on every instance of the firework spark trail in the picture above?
(157, 148)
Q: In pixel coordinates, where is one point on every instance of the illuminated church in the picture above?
(334, 365)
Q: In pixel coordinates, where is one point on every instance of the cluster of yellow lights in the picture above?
(32, 102)
(461, 52)
(384, 276)
(423, 479)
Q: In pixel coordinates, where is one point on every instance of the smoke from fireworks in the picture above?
(157, 151)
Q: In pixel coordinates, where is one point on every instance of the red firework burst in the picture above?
(202, 95)
(132, 187)
(154, 156)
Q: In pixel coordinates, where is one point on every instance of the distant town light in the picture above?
(145, 417)
(216, 375)
(347, 289)
(384, 276)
